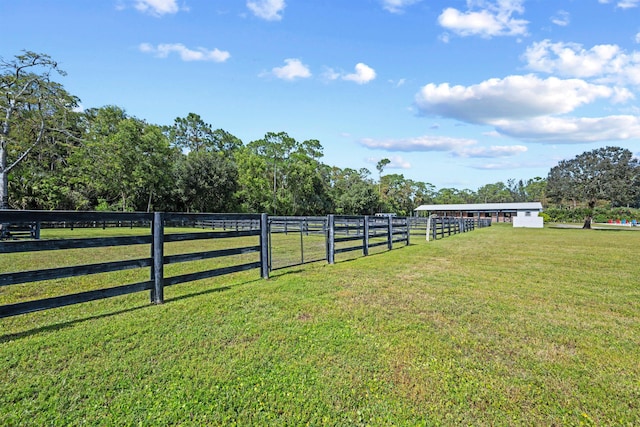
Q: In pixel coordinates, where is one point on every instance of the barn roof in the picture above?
(483, 207)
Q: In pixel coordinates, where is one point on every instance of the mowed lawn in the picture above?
(498, 326)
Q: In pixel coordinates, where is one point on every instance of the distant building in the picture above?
(519, 214)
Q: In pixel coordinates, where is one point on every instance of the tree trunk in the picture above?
(588, 219)
(4, 190)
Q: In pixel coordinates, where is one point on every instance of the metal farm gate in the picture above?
(301, 240)
(296, 240)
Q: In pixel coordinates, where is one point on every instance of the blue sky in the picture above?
(455, 93)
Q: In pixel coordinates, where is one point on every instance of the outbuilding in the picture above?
(523, 214)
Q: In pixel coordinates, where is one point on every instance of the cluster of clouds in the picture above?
(622, 4)
(294, 69)
(186, 54)
(541, 105)
(270, 10)
(485, 19)
(538, 109)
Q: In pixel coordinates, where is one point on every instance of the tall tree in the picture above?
(448, 196)
(535, 189)
(191, 133)
(207, 182)
(380, 166)
(44, 179)
(494, 193)
(275, 149)
(611, 174)
(353, 192)
(125, 163)
(32, 107)
(306, 181)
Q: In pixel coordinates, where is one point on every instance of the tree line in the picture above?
(53, 156)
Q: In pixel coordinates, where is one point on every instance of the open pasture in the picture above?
(501, 326)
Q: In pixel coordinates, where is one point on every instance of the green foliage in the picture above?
(123, 161)
(610, 174)
(191, 133)
(34, 110)
(401, 196)
(103, 158)
(207, 182)
(545, 217)
(283, 176)
(353, 192)
(599, 214)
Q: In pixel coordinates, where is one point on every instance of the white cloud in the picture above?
(573, 129)
(270, 10)
(397, 162)
(186, 54)
(421, 143)
(364, 74)
(514, 97)
(330, 74)
(489, 20)
(458, 147)
(608, 63)
(502, 166)
(628, 4)
(397, 6)
(397, 83)
(561, 18)
(623, 4)
(294, 69)
(157, 7)
(495, 151)
(638, 38)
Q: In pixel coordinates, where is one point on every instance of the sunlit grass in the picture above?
(499, 326)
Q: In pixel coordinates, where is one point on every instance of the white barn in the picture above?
(519, 214)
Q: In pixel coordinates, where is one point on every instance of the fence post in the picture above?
(390, 231)
(331, 239)
(264, 246)
(157, 248)
(301, 242)
(365, 237)
(408, 230)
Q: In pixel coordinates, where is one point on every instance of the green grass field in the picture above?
(499, 326)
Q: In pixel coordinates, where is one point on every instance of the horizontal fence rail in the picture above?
(436, 227)
(275, 242)
(361, 233)
(157, 231)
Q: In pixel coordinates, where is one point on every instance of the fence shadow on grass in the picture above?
(210, 291)
(63, 325)
(67, 324)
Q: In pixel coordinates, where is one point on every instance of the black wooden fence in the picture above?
(157, 229)
(311, 239)
(331, 235)
(358, 233)
(436, 227)
(156, 261)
